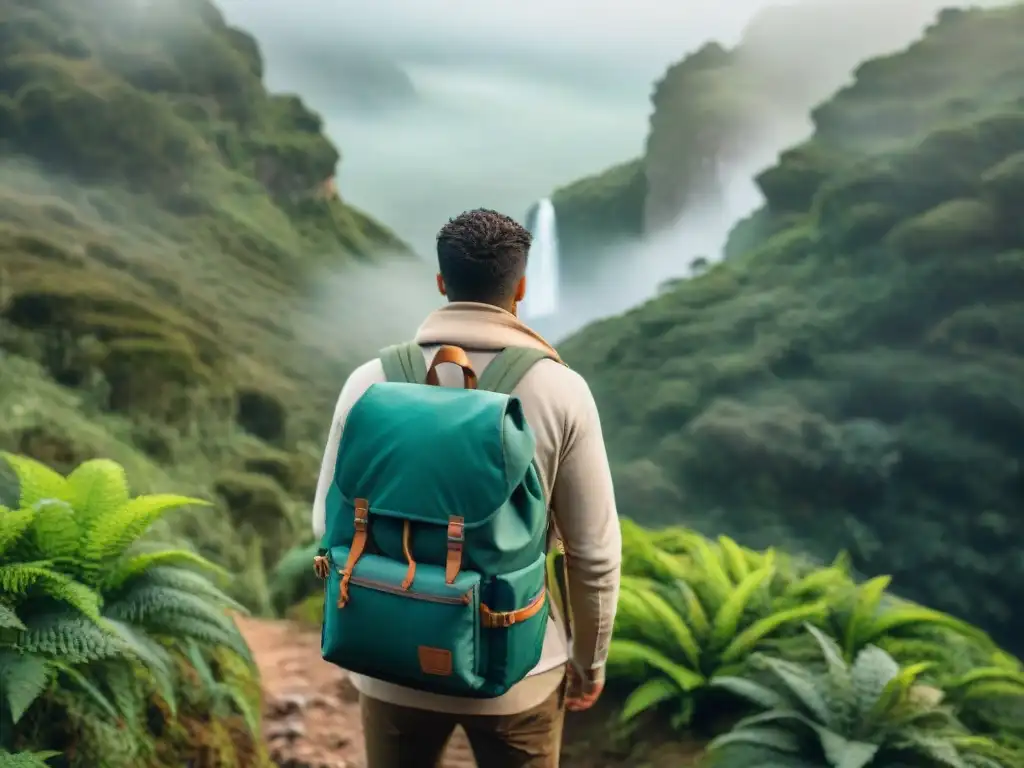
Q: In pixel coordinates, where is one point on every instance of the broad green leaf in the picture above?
(773, 738)
(25, 678)
(803, 687)
(629, 653)
(871, 672)
(914, 615)
(896, 690)
(861, 624)
(746, 641)
(843, 753)
(727, 619)
(735, 559)
(647, 696)
(673, 625)
(754, 692)
(696, 615)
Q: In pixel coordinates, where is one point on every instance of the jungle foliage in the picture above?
(849, 377)
(840, 673)
(116, 649)
(781, 662)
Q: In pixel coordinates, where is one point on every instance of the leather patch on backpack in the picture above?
(435, 661)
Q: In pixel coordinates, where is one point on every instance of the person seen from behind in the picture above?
(517, 721)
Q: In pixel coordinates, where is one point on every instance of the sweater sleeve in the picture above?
(356, 384)
(583, 506)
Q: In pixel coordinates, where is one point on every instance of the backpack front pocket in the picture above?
(426, 636)
(514, 620)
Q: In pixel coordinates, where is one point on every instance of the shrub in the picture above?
(955, 227)
(790, 186)
(851, 716)
(98, 625)
(693, 612)
(672, 636)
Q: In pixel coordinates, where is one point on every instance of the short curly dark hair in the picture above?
(482, 255)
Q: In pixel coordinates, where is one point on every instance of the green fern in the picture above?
(93, 619)
(224, 697)
(96, 489)
(13, 524)
(92, 692)
(132, 566)
(9, 618)
(110, 535)
(152, 655)
(18, 579)
(65, 635)
(36, 481)
(24, 677)
(26, 759)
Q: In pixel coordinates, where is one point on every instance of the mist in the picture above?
(510, 100)
(370, 306)
(451, 105)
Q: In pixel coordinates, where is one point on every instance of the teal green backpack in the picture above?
(435, 548)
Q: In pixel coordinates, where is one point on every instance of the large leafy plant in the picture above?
(94, 619)
(672, 636)
(868, 615)
(868, 714)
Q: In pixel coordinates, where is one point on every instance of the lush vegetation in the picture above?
(115, 649)
(833, 668)
(779, 662)
(849, 378)
(164, 226)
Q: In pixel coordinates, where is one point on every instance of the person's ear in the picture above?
(521, 289)
(440, 285)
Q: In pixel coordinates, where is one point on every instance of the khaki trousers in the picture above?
(404, 737)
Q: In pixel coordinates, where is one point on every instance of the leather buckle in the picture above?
(507, 620)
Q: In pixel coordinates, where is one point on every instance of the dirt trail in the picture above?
(311, 714)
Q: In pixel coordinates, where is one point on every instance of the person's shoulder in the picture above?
(366, 374)
(560, 384)
(360, 380)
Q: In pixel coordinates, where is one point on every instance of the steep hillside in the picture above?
(163, 223)
(724, 110)
(851, 376)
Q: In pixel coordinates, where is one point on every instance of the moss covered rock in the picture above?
(850, 376)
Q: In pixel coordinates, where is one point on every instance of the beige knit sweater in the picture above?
(573, 467)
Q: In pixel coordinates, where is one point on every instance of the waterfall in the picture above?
(542, 265)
